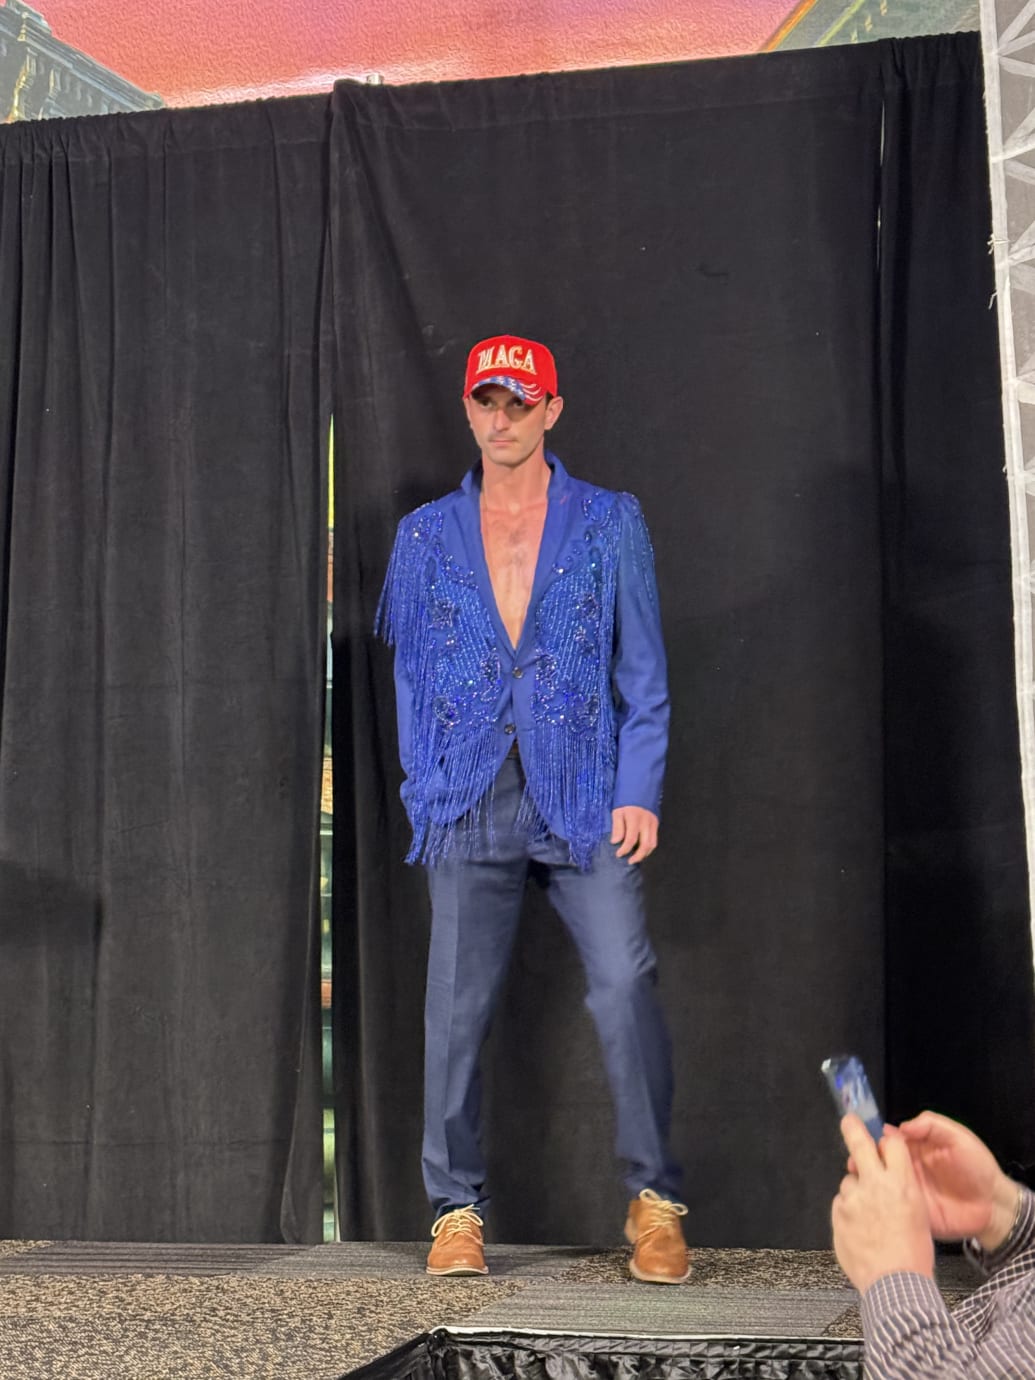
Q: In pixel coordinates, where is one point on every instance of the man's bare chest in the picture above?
(512, 542)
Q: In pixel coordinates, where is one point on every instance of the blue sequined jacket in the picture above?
(585, 690)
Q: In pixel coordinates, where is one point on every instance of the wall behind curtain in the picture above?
(161, 575)
(699, 245)
(253, 48)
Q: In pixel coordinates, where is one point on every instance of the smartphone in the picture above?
(847, 1081)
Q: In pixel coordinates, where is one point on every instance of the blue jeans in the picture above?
(476, 905)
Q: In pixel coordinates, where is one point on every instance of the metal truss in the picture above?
(1008, 40)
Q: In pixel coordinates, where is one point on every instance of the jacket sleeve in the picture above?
(638, 672)
(404, 720)
(395, 623)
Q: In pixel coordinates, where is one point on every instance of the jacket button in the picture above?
(518, 673)
(510, 728)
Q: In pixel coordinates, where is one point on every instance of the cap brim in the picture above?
(521, 390)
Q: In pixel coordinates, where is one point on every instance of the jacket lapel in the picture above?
(562, 515)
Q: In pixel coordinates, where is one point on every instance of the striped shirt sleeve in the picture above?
(911, 1335)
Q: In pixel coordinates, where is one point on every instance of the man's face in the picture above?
(508, 430)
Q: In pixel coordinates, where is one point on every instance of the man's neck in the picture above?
(512, 489)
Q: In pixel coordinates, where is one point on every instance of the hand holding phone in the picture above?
(850, 1088)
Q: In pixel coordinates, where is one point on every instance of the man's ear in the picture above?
(554, 408)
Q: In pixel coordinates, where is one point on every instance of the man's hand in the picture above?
(634, 828)
(880, 1217)
(966, 1192)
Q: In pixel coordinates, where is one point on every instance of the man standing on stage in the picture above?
(533, 723)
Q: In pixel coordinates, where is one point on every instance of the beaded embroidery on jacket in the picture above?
(432, 613)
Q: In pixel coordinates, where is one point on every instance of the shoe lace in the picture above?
(461, 1220)
(661, 1214)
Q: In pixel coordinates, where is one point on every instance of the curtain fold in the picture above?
(161, 546)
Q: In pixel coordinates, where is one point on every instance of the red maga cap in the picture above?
(524, 366)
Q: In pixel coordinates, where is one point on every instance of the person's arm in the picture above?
(911, 1335)
(640, 683)
(910, 1332)
(930, 1172)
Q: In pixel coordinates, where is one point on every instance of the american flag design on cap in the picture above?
(525, 367)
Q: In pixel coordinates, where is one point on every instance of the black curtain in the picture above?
(808, 409)
(161, 649)
(959, 991)
(699, 245)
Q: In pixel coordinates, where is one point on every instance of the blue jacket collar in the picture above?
(472, 480)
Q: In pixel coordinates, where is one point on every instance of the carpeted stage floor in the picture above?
(89, 1311)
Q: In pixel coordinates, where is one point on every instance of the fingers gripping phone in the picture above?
(847, 1081)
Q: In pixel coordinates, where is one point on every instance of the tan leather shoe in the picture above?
(654, 1230)
(456, 1248)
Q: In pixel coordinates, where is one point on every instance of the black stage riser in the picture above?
(442, 1355)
